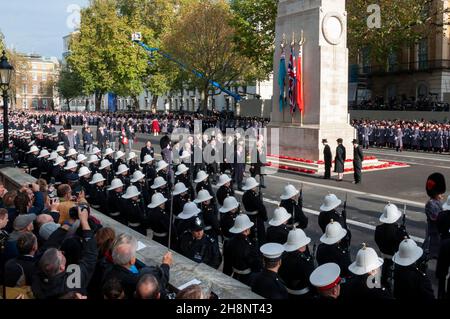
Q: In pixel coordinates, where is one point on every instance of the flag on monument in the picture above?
(292, 80)
(282, 78)
(299, 85)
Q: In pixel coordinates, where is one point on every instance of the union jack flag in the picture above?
(292, 81)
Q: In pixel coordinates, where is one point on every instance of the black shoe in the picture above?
(263, 186)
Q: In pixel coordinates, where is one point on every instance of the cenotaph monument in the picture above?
(323, 24)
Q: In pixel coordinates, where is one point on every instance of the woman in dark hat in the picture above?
(339, 161)
(357, 161)
(435, 188)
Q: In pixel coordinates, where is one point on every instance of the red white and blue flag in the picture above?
(299, 82)
(292, 80)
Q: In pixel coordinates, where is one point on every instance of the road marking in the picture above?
(349, 221)
(430, 158)
(340, 189)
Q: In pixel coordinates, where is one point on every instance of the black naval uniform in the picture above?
(178, 203)
(326, 217)
(205, 250)
(277, 234)
(267, 284)
(388, 238)
(116, 206)
(337, 253)
(150, 173)
(98, 199)
(356, 288)
(296, 267)
(205, 185)
(241, 258)
(223, 192)
(185, 179)
(295, 209)
(411, 284)
(257, 213)
(134, 166)
(159, 221)
(134, 213)
(442, 270)
(226, 222)
(211, 220)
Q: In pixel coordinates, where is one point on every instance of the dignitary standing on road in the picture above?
(327, 158)
(339, 161)
(358, 158)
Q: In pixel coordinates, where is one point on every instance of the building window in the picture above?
(35, 66)
(392, 62)
(44, 76)
(24, 104)
(24, 89)
(422, 90)
(423, 54)
(35, 103)
(34, 76)
(44, 103)
(35, 89)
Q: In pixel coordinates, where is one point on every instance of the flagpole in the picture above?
(301, 43)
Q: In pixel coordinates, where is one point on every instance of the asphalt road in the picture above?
(365, 202)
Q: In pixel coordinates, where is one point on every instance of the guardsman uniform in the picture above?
(241, 255)
(295, 208)
(267, 283)
(332, 249)
(254, 207)
(201, 250)
(410, 284)
(297, 265)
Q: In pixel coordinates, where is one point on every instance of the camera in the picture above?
(76, 190)
(73, 212)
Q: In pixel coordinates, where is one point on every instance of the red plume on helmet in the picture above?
(435, 185)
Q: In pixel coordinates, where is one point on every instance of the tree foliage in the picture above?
(203, 38)
(70, 85)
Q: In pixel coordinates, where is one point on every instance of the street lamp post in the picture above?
(6, 71)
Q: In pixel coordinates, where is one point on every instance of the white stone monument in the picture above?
(325, 77)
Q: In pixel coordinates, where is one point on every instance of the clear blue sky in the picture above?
(38, 25)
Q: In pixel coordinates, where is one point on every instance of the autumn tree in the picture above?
(203, 39)
(70, 85)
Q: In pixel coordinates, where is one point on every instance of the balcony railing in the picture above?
(411, 67)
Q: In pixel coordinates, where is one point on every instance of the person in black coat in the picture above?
(267, 283)
(254, 207)
(442, 269)
(241, 255)
(292, 201)
(278, 230)
(358, 158)
(225, 189)
(147, 149)
(199, 247)
(327, 158)
(297, 265)
(388, 237)
(339, 160)
(410, 283)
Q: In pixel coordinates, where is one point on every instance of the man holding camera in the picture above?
(68, 200)
(51, 280)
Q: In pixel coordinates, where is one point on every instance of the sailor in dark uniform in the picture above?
(327, 281)
(184, 219)
(44, 164)
(297, 265)
(138, 180)
(93, 162)
(225, 189)
(105, 169)
(116, 204)
(97, 197)
(33, 162)
(132, 162)
(410, 283)
(148, 170)
(118, 160)
(122, 173)
(196, 245)
(278, 230)
(133, 210)
(209, 214)
(267, 283)
(241, 255)
(443, 268)
(202, 181)
(182, 176)
(294, 206)
(228, 213)
(388, 237)
(333, 249)
(71, 176)
(159, 219)
(58, 169)
(365, 284)
(254, 207)
(328, 212)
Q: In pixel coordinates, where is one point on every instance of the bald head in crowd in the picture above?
(148, 287)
